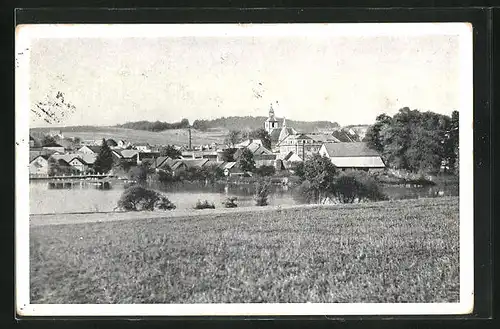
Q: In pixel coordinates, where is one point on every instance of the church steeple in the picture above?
(271, 122)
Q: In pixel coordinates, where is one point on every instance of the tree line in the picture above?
(417, 141)
(155, 126)
(243, 123)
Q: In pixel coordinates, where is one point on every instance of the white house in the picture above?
(39, 165)
(352, 155)
(89, 149)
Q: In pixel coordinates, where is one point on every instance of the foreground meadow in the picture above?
(399, 251)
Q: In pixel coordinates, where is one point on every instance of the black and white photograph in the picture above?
(244, 169)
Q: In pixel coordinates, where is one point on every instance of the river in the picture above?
(89, 199)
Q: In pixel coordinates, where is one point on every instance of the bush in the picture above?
(165, 204)
(305, 193)
(262, 190)
(230, 202)
(356, 185)
(137, 198)
(204, 205)
(265, 171)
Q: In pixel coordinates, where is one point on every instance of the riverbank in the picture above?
(98, 217)
(399, 251)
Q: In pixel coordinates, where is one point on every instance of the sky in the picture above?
(345, 79)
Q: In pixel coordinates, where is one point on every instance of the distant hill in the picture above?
(251, 122)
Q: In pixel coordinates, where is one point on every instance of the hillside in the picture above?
(250, 122)
(173, 136)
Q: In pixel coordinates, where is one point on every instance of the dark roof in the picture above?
(190, 163)
(159, 161)
(31, 138)
(45, 156)
(356, 149)
(94, 148)
(275, 135)
(37, 152)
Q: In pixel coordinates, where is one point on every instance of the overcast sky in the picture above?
(349, 80)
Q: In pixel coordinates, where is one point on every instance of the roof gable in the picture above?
(355, 149)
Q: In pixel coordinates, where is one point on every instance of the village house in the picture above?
(89, 149)
(229, 168)
(258, 150)
(130, 156)
(79, 162)
(353, 156)
(143, 147)
(39, 165)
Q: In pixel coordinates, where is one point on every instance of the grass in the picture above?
(397, 251)
(173, 136)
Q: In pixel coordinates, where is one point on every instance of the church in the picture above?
(286, 140)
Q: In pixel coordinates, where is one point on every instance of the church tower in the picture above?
(271, 122)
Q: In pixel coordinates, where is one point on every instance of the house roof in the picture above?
(358, 162)
(93, 148)
(84, 158)
(291, 156)
(159, 161)
(111, 142)
(356, 149)
(45, 156)
(34, 154)
(228, 165)
(275, 135)
(190, 163)
(177, 164)
(129, 153)
(256, 150)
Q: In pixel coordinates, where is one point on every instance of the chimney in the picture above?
(189, 132)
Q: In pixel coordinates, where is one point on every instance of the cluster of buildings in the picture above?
(288, 147)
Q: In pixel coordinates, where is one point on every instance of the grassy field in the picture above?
(174, 136)
(398, 251)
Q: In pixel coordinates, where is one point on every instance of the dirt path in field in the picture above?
(77, 218)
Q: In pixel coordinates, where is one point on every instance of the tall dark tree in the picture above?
(228, 154)
(373, 134)
(48, 140)
(319, 172)
(233, 137)
(170, 151)
(104, 161)
(246, 161)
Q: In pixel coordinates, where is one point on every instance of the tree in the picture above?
(228, 155)
(246, 161)
(373, 134)
(170, 151)
(263, 135)
(137, 198)
(232, 138)
(104, 161)
(356, 185)
(319, 172)
(48, 140)
(262, 191)
(265, 171)
(140, 173)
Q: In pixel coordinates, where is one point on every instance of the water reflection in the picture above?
(84, 197)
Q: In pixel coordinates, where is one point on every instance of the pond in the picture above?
(44, 200)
